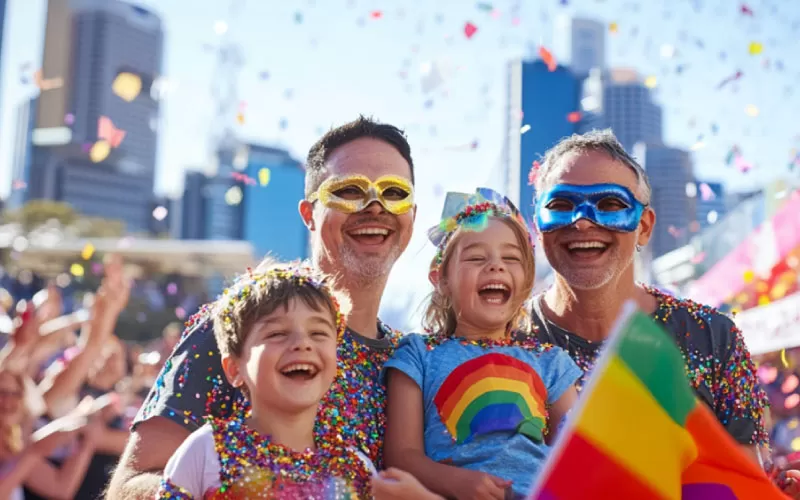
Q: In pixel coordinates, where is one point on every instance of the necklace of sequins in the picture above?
(353, 409)
(516, 339)
(251, 463)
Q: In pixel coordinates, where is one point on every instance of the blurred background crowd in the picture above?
(171, 133)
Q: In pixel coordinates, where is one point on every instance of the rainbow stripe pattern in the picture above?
(639, 431)
(493, 393)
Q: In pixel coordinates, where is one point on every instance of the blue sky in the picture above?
(339, 61)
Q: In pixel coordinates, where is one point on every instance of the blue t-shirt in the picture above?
(486, 406)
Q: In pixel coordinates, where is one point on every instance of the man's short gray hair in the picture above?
(596, 140)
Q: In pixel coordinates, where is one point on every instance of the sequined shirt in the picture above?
(191, 386)
(718, 363)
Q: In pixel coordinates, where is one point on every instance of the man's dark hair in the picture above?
(349, 132)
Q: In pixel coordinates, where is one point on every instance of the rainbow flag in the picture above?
(639, 432)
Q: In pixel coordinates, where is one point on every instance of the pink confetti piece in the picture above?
(706, 193)
(742, 165)
(574, 117)
(534, 171)
(698, 258)
(470, 29)
(674, 231)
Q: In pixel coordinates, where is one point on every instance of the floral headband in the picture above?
(299, 273)
(471, 213)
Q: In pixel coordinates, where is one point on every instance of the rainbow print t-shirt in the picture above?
(486, 405)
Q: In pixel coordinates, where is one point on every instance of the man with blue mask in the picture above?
(593, 215)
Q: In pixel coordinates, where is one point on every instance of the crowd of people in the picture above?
(70, 389)
(290, 386)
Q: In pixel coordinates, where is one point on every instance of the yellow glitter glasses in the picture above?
(354, 193)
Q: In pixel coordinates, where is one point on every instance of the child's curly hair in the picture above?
(260, 292)
(440, 317)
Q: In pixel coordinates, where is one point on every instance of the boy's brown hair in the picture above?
(258, 293)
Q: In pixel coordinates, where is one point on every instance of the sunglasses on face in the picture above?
(611, 206)
(353, 193)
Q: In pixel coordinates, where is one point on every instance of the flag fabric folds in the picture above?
(639, 432)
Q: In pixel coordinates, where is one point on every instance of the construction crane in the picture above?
(224, 142)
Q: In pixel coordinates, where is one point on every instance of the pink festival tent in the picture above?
(760, 252)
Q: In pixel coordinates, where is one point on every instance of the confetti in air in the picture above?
(87, 251)
(99, 151)
(548, 58)
(470, 30)
(127, 86)
(264, 176)
(755, 48)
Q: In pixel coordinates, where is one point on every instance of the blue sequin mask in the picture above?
(610, 206)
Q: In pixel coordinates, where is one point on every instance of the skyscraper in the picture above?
(20, 177)
(88, 44)
(271, 222)
(582, 42)
(252, 197)
(673, 199)
(628, 109)
(193, 207)
(540, 102)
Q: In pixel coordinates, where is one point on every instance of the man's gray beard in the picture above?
(365, 270)
(582, 280)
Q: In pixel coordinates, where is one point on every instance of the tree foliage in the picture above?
(37, 213)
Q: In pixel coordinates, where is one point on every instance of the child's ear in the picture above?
(230, 367)
(434, 276)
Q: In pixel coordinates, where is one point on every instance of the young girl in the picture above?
(277, 333)
(473, 406)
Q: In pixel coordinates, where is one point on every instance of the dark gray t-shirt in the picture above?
(192, 386)
(717, 362)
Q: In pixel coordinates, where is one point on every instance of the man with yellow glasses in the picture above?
(359, 207)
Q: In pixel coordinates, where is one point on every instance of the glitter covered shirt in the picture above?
(225, 459)
(486, 402)
(191, 386)
(717, 362)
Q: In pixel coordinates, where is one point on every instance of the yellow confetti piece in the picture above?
(100, 151)
(87, 251)
(748, 276)
(127, 86)
(613, 27)
(763, 300)
(751, 110)
(524, 128)
(263, 176)
(755, 48)
(796, 444)
(651, 82)
(240, 118)
(784, 359)
(76, 270)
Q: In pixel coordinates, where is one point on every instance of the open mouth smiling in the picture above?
(495, 293)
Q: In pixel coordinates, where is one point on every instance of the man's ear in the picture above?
(306, 209)
(646, 226)
(230, 367)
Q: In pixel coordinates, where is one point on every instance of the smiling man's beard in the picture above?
(366, 269)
